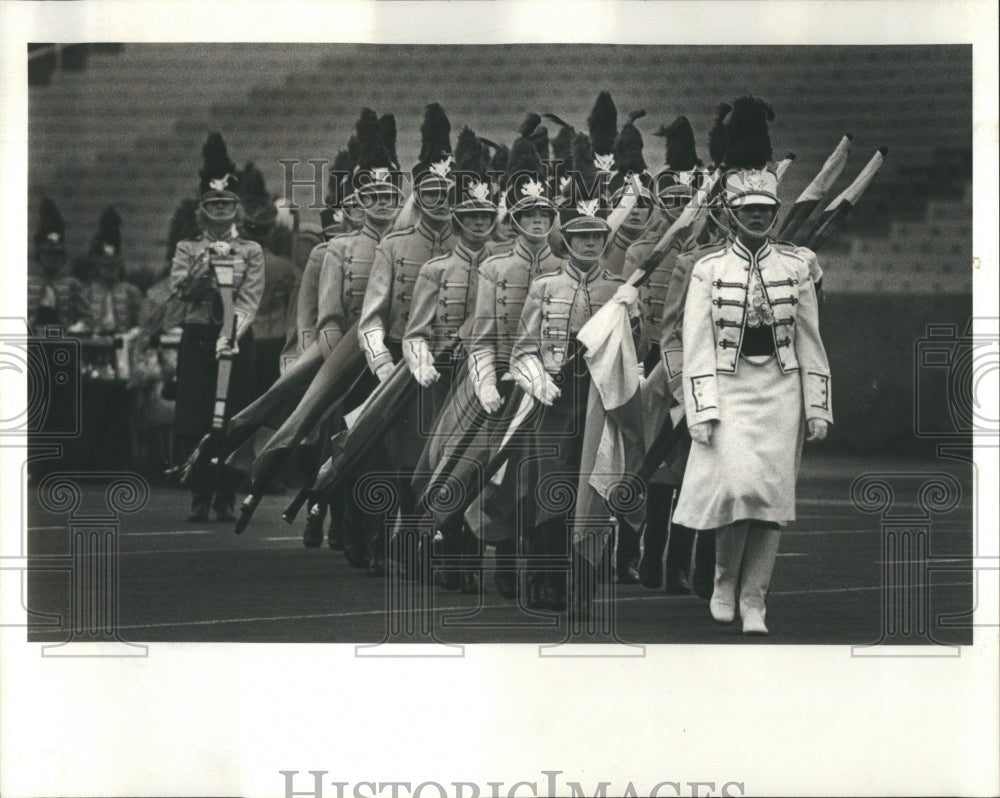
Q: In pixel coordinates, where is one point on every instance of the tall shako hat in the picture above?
(525, 180)
(51, 232)
(591, 155)
(749, 180)
(107, 242)
(562, 152)
(603, 127)
(431, 175)
(218, 172)
(679, 175)
(630, 166)
(259, 210)
(471, 191)
(374, 171)
(587, 216)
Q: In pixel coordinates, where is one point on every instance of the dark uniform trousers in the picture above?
(197, 370)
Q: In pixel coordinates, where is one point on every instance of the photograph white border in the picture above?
(225, 719)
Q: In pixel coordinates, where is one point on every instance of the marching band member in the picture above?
(755, 376)
(444, 298)
(544, 363)
(675, 186)
(385, 310)
(630, 174)
(54, 298)
(203, 339)
(503, 289)
(343, 280)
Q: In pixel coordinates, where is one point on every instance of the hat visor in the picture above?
(742, 200)
(219, 194)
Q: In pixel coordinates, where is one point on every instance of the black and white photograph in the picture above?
(393, 391)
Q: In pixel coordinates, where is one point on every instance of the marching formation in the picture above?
(552, 358)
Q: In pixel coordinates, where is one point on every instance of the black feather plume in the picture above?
(216, 161)
(50, 221)
(387, 123)
(109, 229)
(556, 120)
(682, 152)
(628, 147)
(372, 153)
(469, 154)
(435, 134)
(523, 157)
(583, 158)
(748, 143)
(603, 124)
(529, 124)
(717, 140)
(540, 140)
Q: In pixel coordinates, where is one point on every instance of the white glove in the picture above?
(628, 295)
(817, 429)
(426, 374)
(545, 390)
(383, 372)
(702, 432)
(222, 347)
(489, 398)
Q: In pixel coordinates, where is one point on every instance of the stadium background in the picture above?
(124, 124)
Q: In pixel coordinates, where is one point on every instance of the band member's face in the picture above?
(672, 202)
(52, 260)
(757, 218)
(381, 205)
(638, 216)
(587, 245)
(535, 222)
(478, 224)
(220, 210)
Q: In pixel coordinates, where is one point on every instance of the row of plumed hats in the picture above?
(50, 235)
(739, 139)
(541, 165)
(219, 178)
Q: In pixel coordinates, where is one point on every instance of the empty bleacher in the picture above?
(127, 129)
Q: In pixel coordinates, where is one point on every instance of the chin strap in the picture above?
(479, 237)
(521, 231)
(752, 233)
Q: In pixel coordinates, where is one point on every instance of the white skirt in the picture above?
(750, 467)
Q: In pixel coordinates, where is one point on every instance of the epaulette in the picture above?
(435, 259)
(403, 231)
(547, 275)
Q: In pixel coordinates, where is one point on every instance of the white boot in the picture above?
(729, 543)
(758, 564)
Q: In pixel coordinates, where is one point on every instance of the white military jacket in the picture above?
(444, 296)
(721, 303)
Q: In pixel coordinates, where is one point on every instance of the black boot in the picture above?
(312, 534)
(654, 539)
(472, 562)
(704, 564)
(505, 577)
(627, 555)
